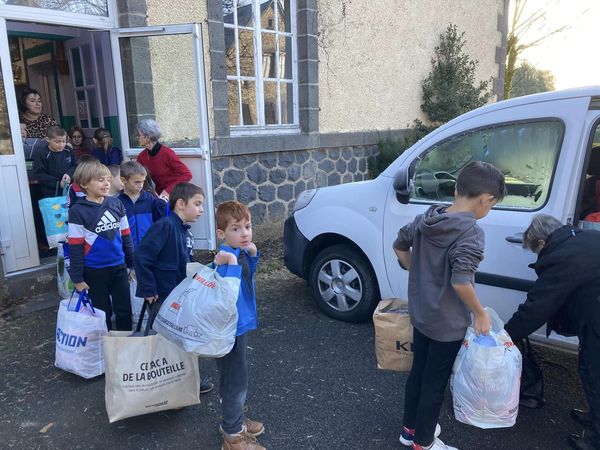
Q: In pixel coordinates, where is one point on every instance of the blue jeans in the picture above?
(233, 385)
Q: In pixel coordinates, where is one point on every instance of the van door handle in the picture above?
(515, 239)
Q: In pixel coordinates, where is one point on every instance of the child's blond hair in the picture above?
(89, 171)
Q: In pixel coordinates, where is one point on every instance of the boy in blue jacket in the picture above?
(143, 209)
(234, 228)
(162, 254)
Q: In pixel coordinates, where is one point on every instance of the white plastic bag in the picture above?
(136, 305)
(79, 332)
(200, 314)
(485, 380)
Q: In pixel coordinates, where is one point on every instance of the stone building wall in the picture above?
(269, 183)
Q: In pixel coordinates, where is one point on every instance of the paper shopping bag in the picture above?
(147, 374)
(393, 335)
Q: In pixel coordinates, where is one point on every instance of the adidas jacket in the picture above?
(162, 256)
(143, 213)
(99, 236)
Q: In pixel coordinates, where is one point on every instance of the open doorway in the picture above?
(71, 71)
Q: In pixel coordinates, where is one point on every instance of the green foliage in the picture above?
(529, 80)
(450, 88)
(390, 149)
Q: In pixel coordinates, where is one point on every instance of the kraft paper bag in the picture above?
(393, 335)
(147, 374)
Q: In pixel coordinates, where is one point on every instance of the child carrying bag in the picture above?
(55, 215)
(79, 333)
(393, 335)
(146, 374)
(200, 314)
(486, 378)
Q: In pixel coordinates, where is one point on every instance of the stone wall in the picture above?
(269, 183)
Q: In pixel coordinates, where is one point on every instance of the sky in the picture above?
(572, 55)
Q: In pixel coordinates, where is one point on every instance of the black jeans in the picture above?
(426, 384)
(233, 385)
(589, 371)
(107, 283)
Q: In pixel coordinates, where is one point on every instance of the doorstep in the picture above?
(34, 287)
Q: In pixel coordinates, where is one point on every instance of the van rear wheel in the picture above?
(343, 284)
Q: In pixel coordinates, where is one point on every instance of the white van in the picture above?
(339, 238)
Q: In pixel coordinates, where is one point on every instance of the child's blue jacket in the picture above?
(246, 303)
(142, 214)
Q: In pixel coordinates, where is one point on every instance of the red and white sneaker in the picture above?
(407, 434)
(437, 445)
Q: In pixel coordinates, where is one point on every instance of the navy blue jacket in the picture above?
(143, 213)
(49, 167)
(114, 157)
(246, 303)
(162, 256)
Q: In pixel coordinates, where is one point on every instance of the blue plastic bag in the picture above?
(55, 215)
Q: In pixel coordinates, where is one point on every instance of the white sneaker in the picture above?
(407, 435)
(437, 445)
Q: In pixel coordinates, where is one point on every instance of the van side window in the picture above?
(526, 153)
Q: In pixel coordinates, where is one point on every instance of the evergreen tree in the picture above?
(450, 88)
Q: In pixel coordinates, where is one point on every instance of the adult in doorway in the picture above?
(161, 162)
(36, 122)
(566, 296)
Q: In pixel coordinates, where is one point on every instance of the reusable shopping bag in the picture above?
(532, 378)
(79, 332)
(136, 305)
(63, 264)
(393, 335)
(55, 215)
(486, 379)
(146, 374)
(200, 314)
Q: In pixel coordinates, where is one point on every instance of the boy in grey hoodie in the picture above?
(442, 250)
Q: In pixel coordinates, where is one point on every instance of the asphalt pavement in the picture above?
(313, 381)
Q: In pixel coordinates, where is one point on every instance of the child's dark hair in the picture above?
(55, 131)
(129, 168)
(478, 178)
(85, 158)
(103, 136)
(183, 191)
(227, 211)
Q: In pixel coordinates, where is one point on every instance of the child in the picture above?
(100, 245)
(447, 246)
(234, 228)
(116, 185)
(77, 140)
(53, 164)
(104, 150)
(163, 253)
(75, 192)
(143, 209)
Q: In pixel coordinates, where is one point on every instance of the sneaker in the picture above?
(437, 445)
(240, 441)
(407, 435)
(254, 427)
(206, 385)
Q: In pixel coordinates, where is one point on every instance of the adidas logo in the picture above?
(107, 222)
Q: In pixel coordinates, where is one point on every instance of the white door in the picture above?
(83, 68)
(18, 246)
(535, 146)
(159, 74)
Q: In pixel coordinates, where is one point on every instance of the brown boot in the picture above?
(254, 427)
(240, 441)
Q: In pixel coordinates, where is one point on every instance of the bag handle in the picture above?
(84, 300)
(65, 189)
(154, 308)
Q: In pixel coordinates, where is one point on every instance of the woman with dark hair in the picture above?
(77, 140)
(36, 122)
(104, 150)
(161, 162)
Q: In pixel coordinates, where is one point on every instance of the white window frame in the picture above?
(57, 17)
(262, 128)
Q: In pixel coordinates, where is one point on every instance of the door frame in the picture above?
(18, 152)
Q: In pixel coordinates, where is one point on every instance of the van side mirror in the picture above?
(403, 184)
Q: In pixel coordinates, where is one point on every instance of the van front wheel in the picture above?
(343, 284)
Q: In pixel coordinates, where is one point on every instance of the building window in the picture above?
(262, 83)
